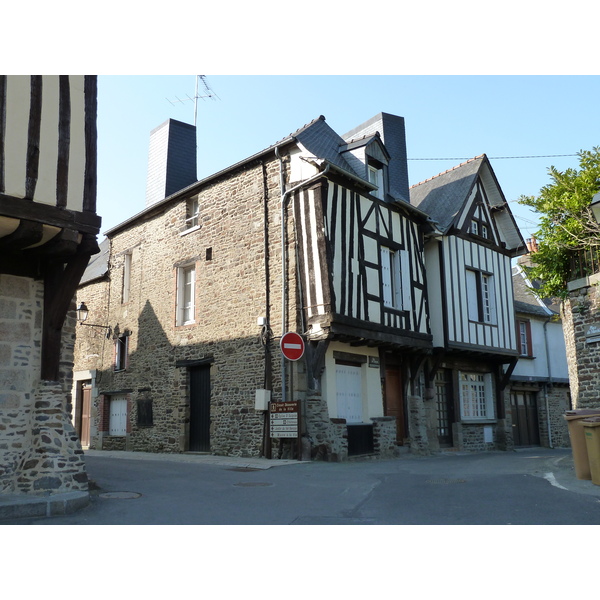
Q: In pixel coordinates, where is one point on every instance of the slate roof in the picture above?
(98, 264)
(526, 302)
(442, 197)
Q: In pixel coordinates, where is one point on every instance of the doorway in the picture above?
(394, 401)
(83, 412)
(525, 426)
(199, 440)
(445, 406)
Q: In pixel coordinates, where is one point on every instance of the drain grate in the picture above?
(445, 481)
(120, 495)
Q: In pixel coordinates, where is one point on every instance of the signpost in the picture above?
(292, 346)
(284, 419)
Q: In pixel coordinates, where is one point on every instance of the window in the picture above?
(481, 297)
(476, 396)
(121, 348)
(117, 421)
(186, 293)
(524, 338)
(376, 178)
(126, 278)
(192, 211)
(394, 263)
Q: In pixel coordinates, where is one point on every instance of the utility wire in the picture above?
(497, 157)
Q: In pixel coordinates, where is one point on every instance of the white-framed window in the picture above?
(126, 277)
(524, 336)
(117, 420)
(395, 291)
(121, 350)
(192, 213)
(481, 296)
(376, 178)
(186, 295)
(476, 396)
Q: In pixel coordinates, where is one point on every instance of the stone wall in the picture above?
(237, 255)
(581, 322)
(39, 448)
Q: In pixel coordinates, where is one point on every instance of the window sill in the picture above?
(526, 357)
(190, 230)
(467, 421)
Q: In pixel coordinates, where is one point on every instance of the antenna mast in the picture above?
(207, 92)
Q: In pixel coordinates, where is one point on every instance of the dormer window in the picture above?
(376, 178)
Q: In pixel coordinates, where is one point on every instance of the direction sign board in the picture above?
(284, 419)
(292, 345)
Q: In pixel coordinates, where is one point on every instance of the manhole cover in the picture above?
(120, 495)
(446, 481)
(252, 484)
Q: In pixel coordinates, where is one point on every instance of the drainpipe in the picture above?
(284, 195)
(549, 383)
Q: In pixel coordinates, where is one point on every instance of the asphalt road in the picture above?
(527, 487)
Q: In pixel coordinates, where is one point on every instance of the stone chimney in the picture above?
(171, 160)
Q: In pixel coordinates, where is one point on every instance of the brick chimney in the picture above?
(171, 160)
(532, 245)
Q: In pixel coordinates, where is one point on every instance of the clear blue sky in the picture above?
(447, 116)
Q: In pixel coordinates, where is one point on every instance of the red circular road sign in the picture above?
(292, 345)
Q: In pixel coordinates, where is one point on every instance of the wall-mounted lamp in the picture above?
(595, 206)
(82, 315)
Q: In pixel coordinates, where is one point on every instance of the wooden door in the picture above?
(83, 412)
(524, 414)
(200, 409)
(394, 401)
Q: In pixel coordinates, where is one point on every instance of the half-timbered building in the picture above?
(313, 235)
(473, 324)
(48, 229)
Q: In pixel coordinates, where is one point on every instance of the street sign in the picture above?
(292, 346)
(284, 419)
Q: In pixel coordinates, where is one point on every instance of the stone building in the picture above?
(539, 384)
(48, 229)
(581, 320)
(314, 235)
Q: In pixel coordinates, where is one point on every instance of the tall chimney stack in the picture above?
(171, 160)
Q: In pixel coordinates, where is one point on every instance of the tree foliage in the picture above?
(567, 225)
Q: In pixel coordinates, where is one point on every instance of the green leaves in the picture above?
(569, 236)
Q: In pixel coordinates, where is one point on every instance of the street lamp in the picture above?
(82, 315)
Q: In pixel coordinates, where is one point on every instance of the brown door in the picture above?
(444, 406)
(394, 401)
(525, 425)
(83, 412)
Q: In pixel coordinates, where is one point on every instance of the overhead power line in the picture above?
(496, 157)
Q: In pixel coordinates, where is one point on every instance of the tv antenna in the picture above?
(203, 94)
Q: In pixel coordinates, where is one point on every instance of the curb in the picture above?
(17, 507)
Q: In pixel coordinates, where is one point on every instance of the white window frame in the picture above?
(476, 392)
(121, 352)
(376, 178)
(186, 295)
(192, 214)
(481, 297)
(394, 267)
(126, 278)
(117, 416)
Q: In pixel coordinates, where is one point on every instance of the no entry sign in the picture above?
(292, 346)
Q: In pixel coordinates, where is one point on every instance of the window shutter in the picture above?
(472, 296)
(405, 280)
